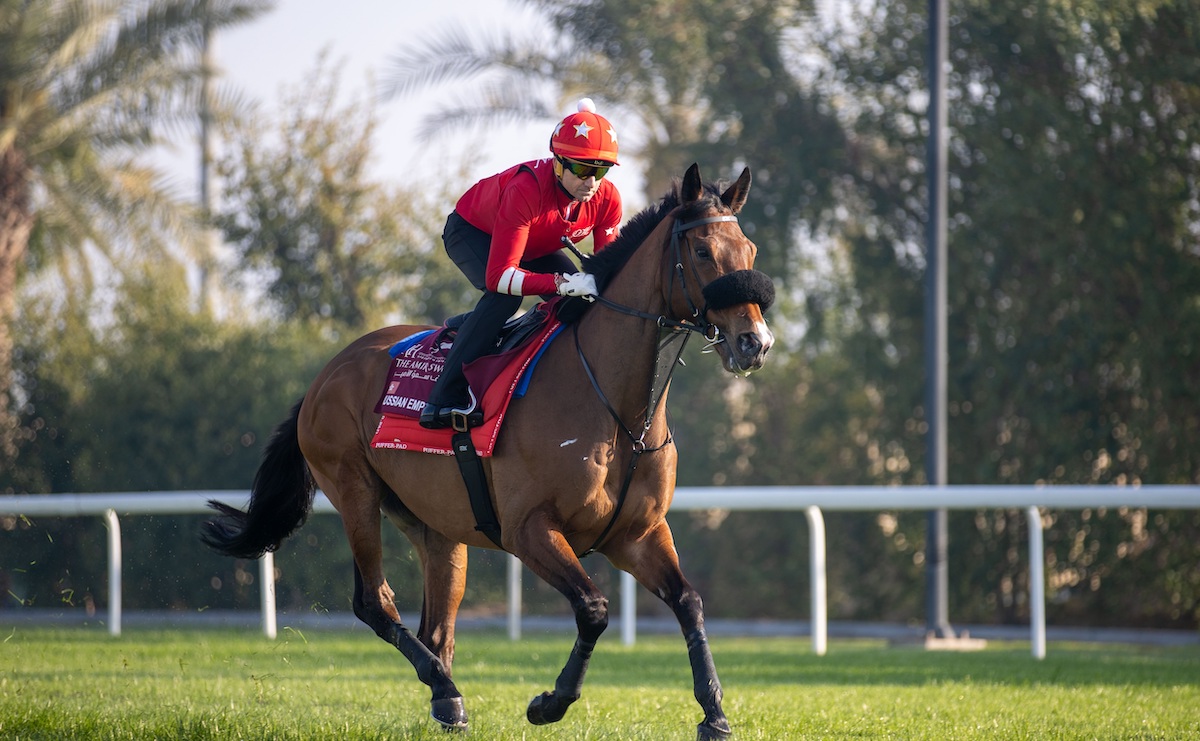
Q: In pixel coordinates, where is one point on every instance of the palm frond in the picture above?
(454, 55)
(500, 79)
(499, 103)
(79, 30)
(66, 220)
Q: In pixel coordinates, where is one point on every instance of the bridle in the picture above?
(673, 335)
(699, 321)
(699, 314)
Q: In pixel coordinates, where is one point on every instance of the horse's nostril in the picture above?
(749, 344)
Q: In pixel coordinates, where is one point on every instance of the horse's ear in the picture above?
(735, 197)
(692, 187)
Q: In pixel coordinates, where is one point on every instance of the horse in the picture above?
(585, 461)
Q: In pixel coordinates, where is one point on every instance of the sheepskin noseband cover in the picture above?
(740, 287)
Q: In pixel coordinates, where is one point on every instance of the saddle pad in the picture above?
(418, 363)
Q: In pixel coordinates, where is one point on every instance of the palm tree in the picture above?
(86, 86)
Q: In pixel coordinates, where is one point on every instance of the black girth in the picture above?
(477, 486)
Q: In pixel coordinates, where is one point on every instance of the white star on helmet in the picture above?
(582, 129)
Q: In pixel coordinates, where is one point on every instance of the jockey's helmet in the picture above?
(585, 136)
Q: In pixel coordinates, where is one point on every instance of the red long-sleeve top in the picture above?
(528, 213)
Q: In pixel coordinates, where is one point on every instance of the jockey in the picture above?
(506, 234)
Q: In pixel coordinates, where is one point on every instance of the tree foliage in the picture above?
(331, 244)
(160, 398)
(85, 88)
(708, 82)
(1073, 271)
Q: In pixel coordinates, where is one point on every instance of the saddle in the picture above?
(515, 332)
(495, 379)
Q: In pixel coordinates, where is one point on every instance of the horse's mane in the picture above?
(608, 262)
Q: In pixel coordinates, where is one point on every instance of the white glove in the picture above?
(576, 284)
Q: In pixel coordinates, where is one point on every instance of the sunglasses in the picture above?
(585, 171)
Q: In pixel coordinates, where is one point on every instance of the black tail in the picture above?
(280, 500)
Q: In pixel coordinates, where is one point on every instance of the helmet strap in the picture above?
(563, 189)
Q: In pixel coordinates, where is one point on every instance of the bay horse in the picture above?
(585, 461)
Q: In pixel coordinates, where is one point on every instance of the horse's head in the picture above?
(713, 261)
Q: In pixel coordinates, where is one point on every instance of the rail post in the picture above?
(817, 586)
(1037, 583)
(114, 571)
(266, 591)
(514, 597)
(628, 609)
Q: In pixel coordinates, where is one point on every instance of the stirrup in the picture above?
(461, 420)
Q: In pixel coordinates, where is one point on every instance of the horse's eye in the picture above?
(702, 253)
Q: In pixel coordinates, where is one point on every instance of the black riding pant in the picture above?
(468, 247)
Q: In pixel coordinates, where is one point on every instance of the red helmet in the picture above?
(585, 136)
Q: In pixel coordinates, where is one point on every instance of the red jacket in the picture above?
(528, 213)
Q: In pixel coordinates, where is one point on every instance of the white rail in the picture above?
(810, 500)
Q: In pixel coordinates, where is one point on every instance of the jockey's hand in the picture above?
(576, 284)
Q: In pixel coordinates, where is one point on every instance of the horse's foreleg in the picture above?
(373, 604)
(654, 563)
(546, 552)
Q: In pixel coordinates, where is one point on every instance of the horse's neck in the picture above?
(622, 349)
(639, 284)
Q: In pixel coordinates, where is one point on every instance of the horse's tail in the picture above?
(280, 499)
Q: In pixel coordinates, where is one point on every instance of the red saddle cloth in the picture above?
(418, 360)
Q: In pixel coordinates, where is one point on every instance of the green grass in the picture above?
(349, 685)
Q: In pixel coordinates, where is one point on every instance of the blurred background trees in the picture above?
(1074, 296)
(308, 227)
(84, 89)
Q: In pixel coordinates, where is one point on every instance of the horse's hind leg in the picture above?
(373, 604)
(445, 578)
(654, 563)
(546, 552)
(444, 571)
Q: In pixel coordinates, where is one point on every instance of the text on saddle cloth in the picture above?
(496, 380)
(418, 360)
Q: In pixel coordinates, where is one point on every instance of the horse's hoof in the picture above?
(450, 713)
(713, 731)
(547, 708)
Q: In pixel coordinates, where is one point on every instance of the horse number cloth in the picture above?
(417, 362)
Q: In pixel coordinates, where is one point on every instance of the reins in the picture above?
(672, 338)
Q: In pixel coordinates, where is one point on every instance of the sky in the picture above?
(278, 49)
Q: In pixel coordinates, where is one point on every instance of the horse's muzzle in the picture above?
(748, 350)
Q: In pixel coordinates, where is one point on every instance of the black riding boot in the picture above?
(476, 337)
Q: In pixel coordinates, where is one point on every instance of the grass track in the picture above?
(199, 684)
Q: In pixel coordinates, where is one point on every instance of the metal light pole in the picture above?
(936, 356)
